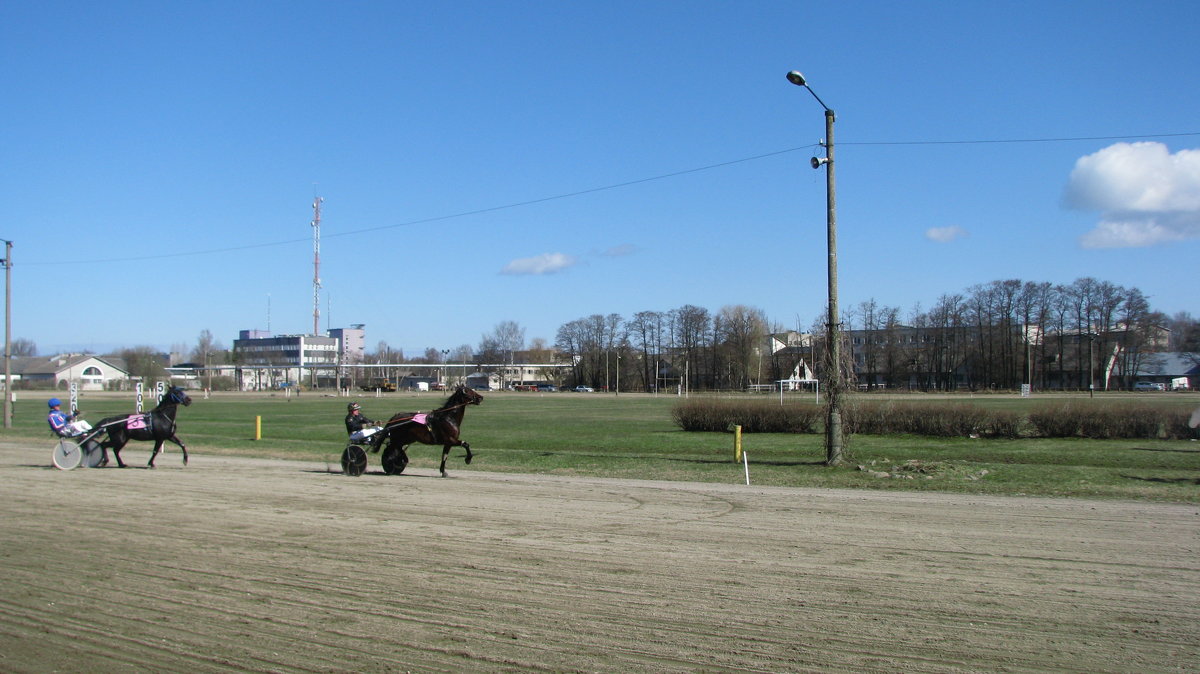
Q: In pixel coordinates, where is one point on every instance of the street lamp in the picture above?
(833, 423)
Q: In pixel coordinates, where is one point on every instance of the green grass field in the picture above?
(633, 436)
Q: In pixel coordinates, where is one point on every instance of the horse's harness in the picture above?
(439, 411)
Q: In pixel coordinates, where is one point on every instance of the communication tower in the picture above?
(316, 225)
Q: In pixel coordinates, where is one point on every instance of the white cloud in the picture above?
(1146, 195)
(945, 234)
(546, 263)
(1132, 230)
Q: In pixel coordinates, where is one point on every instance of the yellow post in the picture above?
(737, 443)
(258, 427)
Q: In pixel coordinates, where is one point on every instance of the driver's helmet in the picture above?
(53, 402)
(353, 407)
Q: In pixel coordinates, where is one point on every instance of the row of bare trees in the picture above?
(995, 335)
(1007, 333)
(688, 347)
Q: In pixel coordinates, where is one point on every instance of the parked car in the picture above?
(1149, 386)
(547, 388)
(584, 389)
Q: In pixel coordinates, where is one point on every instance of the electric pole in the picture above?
(8, 334)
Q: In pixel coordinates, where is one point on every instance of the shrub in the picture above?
(1107, 421)
(1003, 424)
(1056, 420)
(934, 419)
(869, 418)
(752, 416)
(1120, 421)
(1089, 419)
(1175, 425)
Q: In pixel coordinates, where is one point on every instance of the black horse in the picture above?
(439, 427)
(158, 425)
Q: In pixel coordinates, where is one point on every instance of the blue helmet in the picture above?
(54, 402)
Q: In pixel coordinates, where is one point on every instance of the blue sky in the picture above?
(539, 162)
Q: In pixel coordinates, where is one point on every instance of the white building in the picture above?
(93, 373)
(285, 360)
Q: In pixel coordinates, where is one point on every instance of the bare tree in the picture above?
(742, 334)
(690, 331)
(868, 365)
(23, 348)
(143, 362)
(500, 345)
(570, 342)
(646, 331)
(208, 350)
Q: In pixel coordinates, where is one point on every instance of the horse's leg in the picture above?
(469, 455)
(116, 443)
(103, 450)
(175, 439)
(157, 448)
(445, 453)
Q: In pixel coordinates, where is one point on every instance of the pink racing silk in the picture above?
(137, 422)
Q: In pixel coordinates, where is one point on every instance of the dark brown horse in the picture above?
(158, 425)
(439, 427)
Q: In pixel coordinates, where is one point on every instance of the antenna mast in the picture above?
(316, 225)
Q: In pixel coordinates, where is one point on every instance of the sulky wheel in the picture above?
(354, 461)
(93, 454)
(394, 460)
(67, 455)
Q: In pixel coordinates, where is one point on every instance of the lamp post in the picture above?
(833, 422)
(1091, 374)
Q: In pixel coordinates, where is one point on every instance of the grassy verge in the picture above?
(633, 436)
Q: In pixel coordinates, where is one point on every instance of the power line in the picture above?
(1017, 140)
(604, 188)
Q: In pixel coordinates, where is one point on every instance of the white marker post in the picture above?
(139, 397)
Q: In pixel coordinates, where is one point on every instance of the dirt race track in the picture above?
(261, 565)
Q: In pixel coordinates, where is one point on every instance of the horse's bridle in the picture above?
(474, 401)
(454, 407)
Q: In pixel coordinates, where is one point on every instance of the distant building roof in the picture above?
(1170, 364)
(34, 366)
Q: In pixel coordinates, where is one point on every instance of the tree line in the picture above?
(1000, 334)
(1006, 333)
(994, 335)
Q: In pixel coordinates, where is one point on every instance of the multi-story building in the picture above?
(353, 342)
(282, 361)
